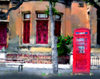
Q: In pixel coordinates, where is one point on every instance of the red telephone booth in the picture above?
(81, 51)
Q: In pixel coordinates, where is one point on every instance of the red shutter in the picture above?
(57, 28)
(3, 35)
(26, 32)
(42, 32)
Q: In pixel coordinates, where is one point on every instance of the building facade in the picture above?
(27, 29)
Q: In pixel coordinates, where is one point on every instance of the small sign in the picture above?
(81, 32)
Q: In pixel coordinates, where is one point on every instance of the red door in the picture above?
(26, 32)
(3, 35)
(42, 32)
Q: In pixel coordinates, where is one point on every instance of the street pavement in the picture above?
(11, 72)
(24, 75)
(42, 73)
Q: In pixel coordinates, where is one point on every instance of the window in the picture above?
(2, 18)
(26, 32)
(57, 25)
(42, 28)
(3, 35)
(42, 16)
(27, 16)
(26, 29)
(57, 28)
(57, 17)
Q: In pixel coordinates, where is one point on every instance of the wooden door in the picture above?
(42, 32)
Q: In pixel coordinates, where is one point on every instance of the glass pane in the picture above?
(27, 16)
(57, 17)
(42, 16)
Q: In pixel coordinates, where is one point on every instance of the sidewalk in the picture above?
(38, 68)
(35, 68)
(42, 71)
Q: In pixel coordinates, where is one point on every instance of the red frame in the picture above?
(81, 51)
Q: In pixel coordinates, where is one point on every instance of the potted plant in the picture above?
(64, 45)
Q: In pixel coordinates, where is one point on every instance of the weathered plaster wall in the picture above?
(68, 29)
(16, 20)
(79, 16)
(72, 18)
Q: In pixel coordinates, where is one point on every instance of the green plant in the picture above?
(62, 45)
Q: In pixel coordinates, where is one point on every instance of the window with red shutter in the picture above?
(26, 29)
(3, 35)
(26, 32)
(42, 32)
